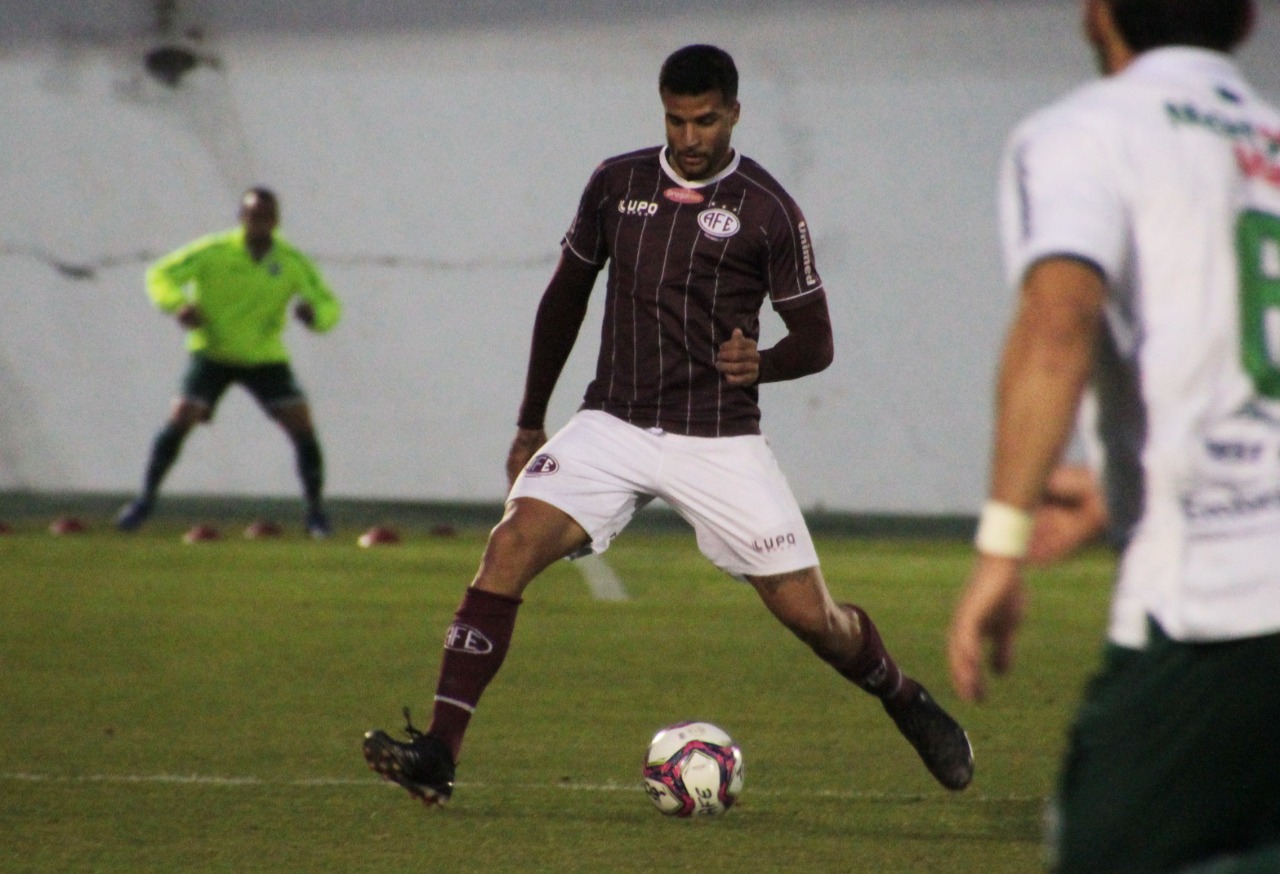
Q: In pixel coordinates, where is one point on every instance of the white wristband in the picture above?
(1003, 530)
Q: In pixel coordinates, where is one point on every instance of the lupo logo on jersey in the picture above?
(637, 207)
(774, 544)
(718, 223)
(541, 465)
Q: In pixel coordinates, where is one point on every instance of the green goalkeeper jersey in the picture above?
(244, 303)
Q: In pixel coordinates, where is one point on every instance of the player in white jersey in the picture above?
(1141, 222)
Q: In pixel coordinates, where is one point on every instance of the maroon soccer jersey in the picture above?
(688, 263)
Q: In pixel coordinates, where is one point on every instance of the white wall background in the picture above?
(430, 155)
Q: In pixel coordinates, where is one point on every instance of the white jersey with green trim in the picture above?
(1166, 177)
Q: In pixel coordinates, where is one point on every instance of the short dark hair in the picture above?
(1220, 25)
(698, 69)
(262, 193)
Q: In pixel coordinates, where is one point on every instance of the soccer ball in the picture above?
(693, 769)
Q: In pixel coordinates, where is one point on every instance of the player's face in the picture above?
(259, 217)
(698, 130)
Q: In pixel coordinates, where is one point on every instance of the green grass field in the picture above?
(170, 707)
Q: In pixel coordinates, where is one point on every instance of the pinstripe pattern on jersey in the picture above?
(676, 290)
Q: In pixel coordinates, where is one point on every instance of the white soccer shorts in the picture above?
(600, 470)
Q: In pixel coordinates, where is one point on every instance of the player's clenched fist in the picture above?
(739, 360)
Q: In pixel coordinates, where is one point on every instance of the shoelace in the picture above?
(409, 729)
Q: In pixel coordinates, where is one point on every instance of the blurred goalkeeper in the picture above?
(696, 238)
(231, 291)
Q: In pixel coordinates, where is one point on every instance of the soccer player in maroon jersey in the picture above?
(696, 236)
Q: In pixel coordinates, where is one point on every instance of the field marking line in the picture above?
(604, 582)
(373, 781)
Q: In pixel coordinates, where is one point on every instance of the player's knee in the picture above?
(506, 538)
(295, 419)
(509, 562)
(186, 415)
(530, 537)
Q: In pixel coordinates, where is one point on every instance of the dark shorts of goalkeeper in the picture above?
(272, 385)
(1174, 759)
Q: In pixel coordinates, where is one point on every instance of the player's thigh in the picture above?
(277, 391)
(597, 470)
(745, 516)
(531, 536)
(1164, 767)
(203, 385)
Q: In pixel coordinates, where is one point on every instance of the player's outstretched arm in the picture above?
(1046, 361)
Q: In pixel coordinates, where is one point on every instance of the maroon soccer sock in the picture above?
(474, 647)
(873, 669)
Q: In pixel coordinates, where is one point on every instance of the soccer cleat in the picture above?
(939, 739)
(133, 514)
(318, 527)
(423, 766)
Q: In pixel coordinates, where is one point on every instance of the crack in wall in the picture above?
(88, 269)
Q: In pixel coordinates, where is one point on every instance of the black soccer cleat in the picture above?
(423, 766)
(317, 524)
(133, 514)
(941, 742)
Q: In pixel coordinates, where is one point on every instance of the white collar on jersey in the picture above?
(1179, 62)
(731, 167)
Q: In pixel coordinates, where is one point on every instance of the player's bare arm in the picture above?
(1046, 361)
